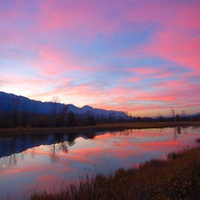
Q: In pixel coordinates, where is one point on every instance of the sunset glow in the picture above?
(138, 56)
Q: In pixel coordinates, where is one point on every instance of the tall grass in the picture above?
(177, 178)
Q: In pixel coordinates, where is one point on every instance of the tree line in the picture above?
(57, 118)
(16, 115)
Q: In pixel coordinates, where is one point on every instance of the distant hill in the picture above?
(9, 102)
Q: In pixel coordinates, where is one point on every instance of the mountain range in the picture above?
(9, 102)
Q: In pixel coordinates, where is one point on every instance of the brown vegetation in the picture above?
(98, 127)
(176, 178)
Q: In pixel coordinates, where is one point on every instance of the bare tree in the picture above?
(173, 114)
(55, 103)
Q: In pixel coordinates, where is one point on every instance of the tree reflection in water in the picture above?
(177, 130)
(99, 152)
(58, 147)
(9, 160)
(14, 149)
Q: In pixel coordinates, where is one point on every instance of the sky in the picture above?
(137, 56)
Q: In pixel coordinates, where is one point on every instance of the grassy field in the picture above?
(177, 178)
(98, 127)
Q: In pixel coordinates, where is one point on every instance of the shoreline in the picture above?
(98, 127)
(178, 177)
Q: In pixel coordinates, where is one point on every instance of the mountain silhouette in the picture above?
(10, 102)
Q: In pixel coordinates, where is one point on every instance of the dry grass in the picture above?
(99, 127)
(177, 178)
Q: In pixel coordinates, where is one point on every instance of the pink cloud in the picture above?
(141, 73)
(88, 17)
(175, 46)
(172, 35)
(177, 38)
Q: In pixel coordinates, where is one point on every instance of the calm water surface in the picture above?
(48, 162)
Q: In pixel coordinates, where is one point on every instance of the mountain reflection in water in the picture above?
(15, 145)
(46, 161)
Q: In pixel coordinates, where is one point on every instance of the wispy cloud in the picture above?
(136, 56)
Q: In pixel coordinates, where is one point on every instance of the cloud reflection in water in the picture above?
(48, 161)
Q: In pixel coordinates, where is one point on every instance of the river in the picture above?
(39, 162)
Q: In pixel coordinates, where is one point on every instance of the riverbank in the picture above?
(178, 177)
(98, 127)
